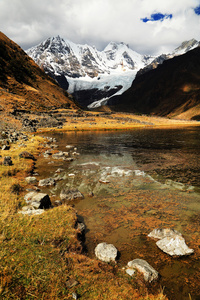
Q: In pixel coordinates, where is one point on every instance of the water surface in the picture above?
(141, 180)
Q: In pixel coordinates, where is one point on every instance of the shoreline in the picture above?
(95, 121)
(32, 225)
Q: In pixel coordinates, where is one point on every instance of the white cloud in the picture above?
(97, 22)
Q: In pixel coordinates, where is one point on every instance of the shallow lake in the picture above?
(141, 180)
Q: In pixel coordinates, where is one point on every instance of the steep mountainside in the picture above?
(23, 85)
(172, 89)
(182, 49)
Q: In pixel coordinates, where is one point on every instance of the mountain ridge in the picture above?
(93, 76)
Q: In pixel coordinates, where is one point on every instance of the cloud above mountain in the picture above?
(149, 27)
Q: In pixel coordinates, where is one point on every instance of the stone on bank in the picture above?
(38, 200)
(106, 252)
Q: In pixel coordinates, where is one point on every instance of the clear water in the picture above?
(141, 180)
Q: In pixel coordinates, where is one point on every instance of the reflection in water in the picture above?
(141, 180)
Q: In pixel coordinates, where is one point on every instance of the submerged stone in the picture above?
(143, 267)
(130, 272)
(47, 182)
(72, 194)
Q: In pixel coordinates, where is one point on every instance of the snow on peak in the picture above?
(186, 46)
(75, 60)
(113, 46)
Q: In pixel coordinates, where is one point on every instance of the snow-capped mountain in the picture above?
(185, 47)
(64, 57)
(84, 68)
(93, 76)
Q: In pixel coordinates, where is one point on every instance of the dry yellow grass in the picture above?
(118, 121)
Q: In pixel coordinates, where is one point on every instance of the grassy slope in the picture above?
(23, 85)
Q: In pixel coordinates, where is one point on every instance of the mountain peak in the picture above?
(115, 46)
(186, 46)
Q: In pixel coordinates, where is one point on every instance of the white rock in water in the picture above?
(142, 266)
(106, 252)
(162, 233)
(174, 246)
(47, 182)
(130, 272)
(69, 146)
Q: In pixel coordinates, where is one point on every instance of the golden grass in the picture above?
(118, 121)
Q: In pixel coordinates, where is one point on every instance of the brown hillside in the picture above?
(23, 85)
(173, 89)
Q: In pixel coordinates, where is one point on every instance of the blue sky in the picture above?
(149, 27)
(197, 10)
(157, 17)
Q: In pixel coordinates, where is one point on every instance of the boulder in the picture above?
(29, 210)
(72, 194)
(38, 200)
(106, 252)
(31, 179)
(5, 147)
(47, 182)
(174, 246)
(143, 267)
(7, 161)
(27, 155)
(160, 233)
